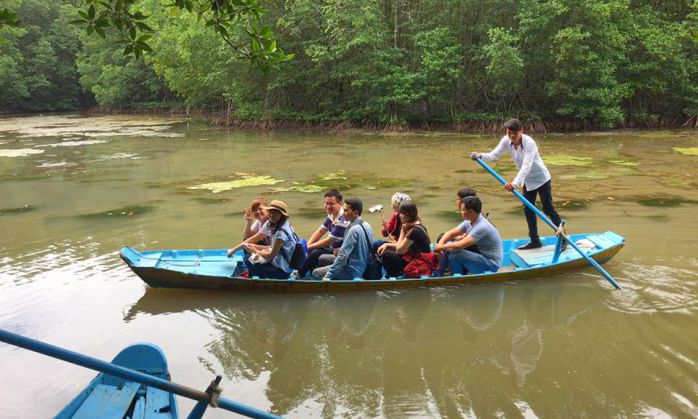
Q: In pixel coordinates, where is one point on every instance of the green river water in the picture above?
(74, 190)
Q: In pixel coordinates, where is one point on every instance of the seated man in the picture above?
(443, 256)
(478, 230)
(334, 226)
(353, 256)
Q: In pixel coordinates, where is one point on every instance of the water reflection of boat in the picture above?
(211, 269)
(380, 353)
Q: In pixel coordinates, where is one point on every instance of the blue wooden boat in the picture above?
(108, 396)
(212, 269)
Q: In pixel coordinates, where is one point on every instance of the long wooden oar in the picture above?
(547, 220)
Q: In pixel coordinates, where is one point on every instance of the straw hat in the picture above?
(277, 205)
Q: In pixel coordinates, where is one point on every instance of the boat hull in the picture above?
(161, 269)
(114, 397)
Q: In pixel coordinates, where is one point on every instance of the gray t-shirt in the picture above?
(486, 237)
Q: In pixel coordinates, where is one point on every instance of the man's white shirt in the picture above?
(532, 170)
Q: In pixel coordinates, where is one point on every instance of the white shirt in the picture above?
(532, 170)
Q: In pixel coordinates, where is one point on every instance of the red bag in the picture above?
(419, 264)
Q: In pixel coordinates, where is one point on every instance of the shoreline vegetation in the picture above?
(489, 125)
(388, 65)
(222, 119)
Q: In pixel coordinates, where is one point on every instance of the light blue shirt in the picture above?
(355, 251)
(486, 237)
(532, 171)
(285, 234)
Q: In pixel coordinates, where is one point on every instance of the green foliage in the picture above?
(37, 58)
(592, 63)
(130, 27)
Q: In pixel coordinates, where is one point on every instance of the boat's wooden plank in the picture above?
(518, 260)
(157, 404)
(601, 241)
(139, 409)
(542, 255)
(107, 401)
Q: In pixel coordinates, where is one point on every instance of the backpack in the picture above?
(374, 268)
(300, 251)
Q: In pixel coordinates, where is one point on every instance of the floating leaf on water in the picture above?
(128, 211)
(624, 163)
(568, 161)
(19, 152)
(586, 176)
(208, 201)
(690, 151)
(74, 143)
(664, 201)
(18, 210)
(247, 180)
(302, 188)
(339, 175)
(657, 217)
(570, 204)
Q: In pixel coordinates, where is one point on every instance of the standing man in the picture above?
(353, 256)
(533, 176)
(334, 226)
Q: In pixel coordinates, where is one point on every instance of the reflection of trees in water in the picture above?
(436, 352)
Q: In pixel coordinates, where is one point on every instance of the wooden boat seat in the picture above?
(506, 268)
(108, 401)
(540, 256)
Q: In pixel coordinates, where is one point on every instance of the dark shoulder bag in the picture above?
(374, 269)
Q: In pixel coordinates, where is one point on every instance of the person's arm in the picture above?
(342, 257)
(269, 252)
(258, 236)
(403, 242)
(494, 154)
(461, 243)
(317, 235)
(448, 236)
(249, 220)
(394, 245)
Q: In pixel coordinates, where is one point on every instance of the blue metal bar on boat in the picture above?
(128, 374)
(547, 220)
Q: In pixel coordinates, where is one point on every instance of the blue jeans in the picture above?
(265, 270)
(474, 263)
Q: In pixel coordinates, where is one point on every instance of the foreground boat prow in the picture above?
(112, 397)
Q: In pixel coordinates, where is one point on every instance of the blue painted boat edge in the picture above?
(158, 277)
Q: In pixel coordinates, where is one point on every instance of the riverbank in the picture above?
(488, 124)
(481, 126)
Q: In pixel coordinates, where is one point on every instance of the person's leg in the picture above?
(531, 217)
(267, 270)
(342, 275)
(326, 260)
(474, 263)
(393, 263)
(546, 198)
(312, 260)
(319, 273)
(378, 243)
